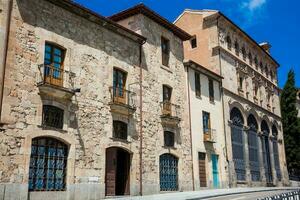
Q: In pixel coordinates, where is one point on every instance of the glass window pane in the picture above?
(47, 48)
(57, 59)
(57, 52)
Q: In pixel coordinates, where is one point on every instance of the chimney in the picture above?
(266, 46)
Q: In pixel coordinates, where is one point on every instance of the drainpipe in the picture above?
(223, 107)
(141, 118)
(4, 47)
(190, 121)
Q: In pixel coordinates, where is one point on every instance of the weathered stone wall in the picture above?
(155, 75)
(92, 52)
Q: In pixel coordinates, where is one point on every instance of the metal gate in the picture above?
(168, 172)
(238, 152)
(253, 148)
(266, 151)
(266, 158)
(238, 143)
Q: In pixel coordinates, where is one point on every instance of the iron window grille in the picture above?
(169, 139)
(52, 116)
(48, 162)
(120, 130)
(168, 172)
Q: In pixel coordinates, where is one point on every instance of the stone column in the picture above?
(5, 10)
(272, 160)
(246, 155)
(261, 160)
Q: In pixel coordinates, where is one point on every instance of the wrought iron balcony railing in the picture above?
(122, 97)
(209, 135)
(50, 75)
(169, 109)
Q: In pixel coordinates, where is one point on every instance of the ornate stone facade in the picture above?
(249, 85)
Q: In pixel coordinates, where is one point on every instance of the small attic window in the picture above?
(193, 42)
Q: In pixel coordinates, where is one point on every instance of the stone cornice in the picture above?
(277, 117)
(249, 68)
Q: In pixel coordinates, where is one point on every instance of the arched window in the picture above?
(276, 153)
(228, 40)
(267, 71)
(250, 58)
(169, 139)
(53, 116)
(238, 143)
(48, 162)
(261, 67)
(168, 172)
(253, 148)
(256, 63)
(266, 151)
(120, 130)
(244, 53)
(237, 48)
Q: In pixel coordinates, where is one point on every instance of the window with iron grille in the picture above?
(53, 116)
(197, 84)
(120, 130)
(211, 90)
(169, 139)
(48, 162)
(237, 48)
(165, 50)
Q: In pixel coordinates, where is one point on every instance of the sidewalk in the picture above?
(202, 194)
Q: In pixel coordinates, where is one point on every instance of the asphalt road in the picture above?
(249, 196)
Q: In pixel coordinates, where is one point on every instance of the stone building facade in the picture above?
(90, 108)
(206, 122)
(253, 129)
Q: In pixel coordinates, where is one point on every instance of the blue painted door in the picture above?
(168, 171)
(214, 160)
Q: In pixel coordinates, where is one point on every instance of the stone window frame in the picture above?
(244, 53)
(237, 48)
(165, 53)
(65, 138)
(229, 42)
(58, 105)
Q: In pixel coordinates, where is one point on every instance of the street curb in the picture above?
(243, 192)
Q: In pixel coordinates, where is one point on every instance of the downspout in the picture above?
(190, 121)
(141, 117)
(223, 107)
(4, 55)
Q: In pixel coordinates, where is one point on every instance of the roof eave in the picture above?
(246, 34)
(98, 19)
(142, 9)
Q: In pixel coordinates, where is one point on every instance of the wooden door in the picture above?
(202, 169)
(110, 172)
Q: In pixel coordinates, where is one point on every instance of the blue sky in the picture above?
(275, 21)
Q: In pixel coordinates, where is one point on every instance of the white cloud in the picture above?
(254, 4)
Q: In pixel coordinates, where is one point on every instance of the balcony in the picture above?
(209, 135)
(122, 101)
(170, 113)
(55, 82)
